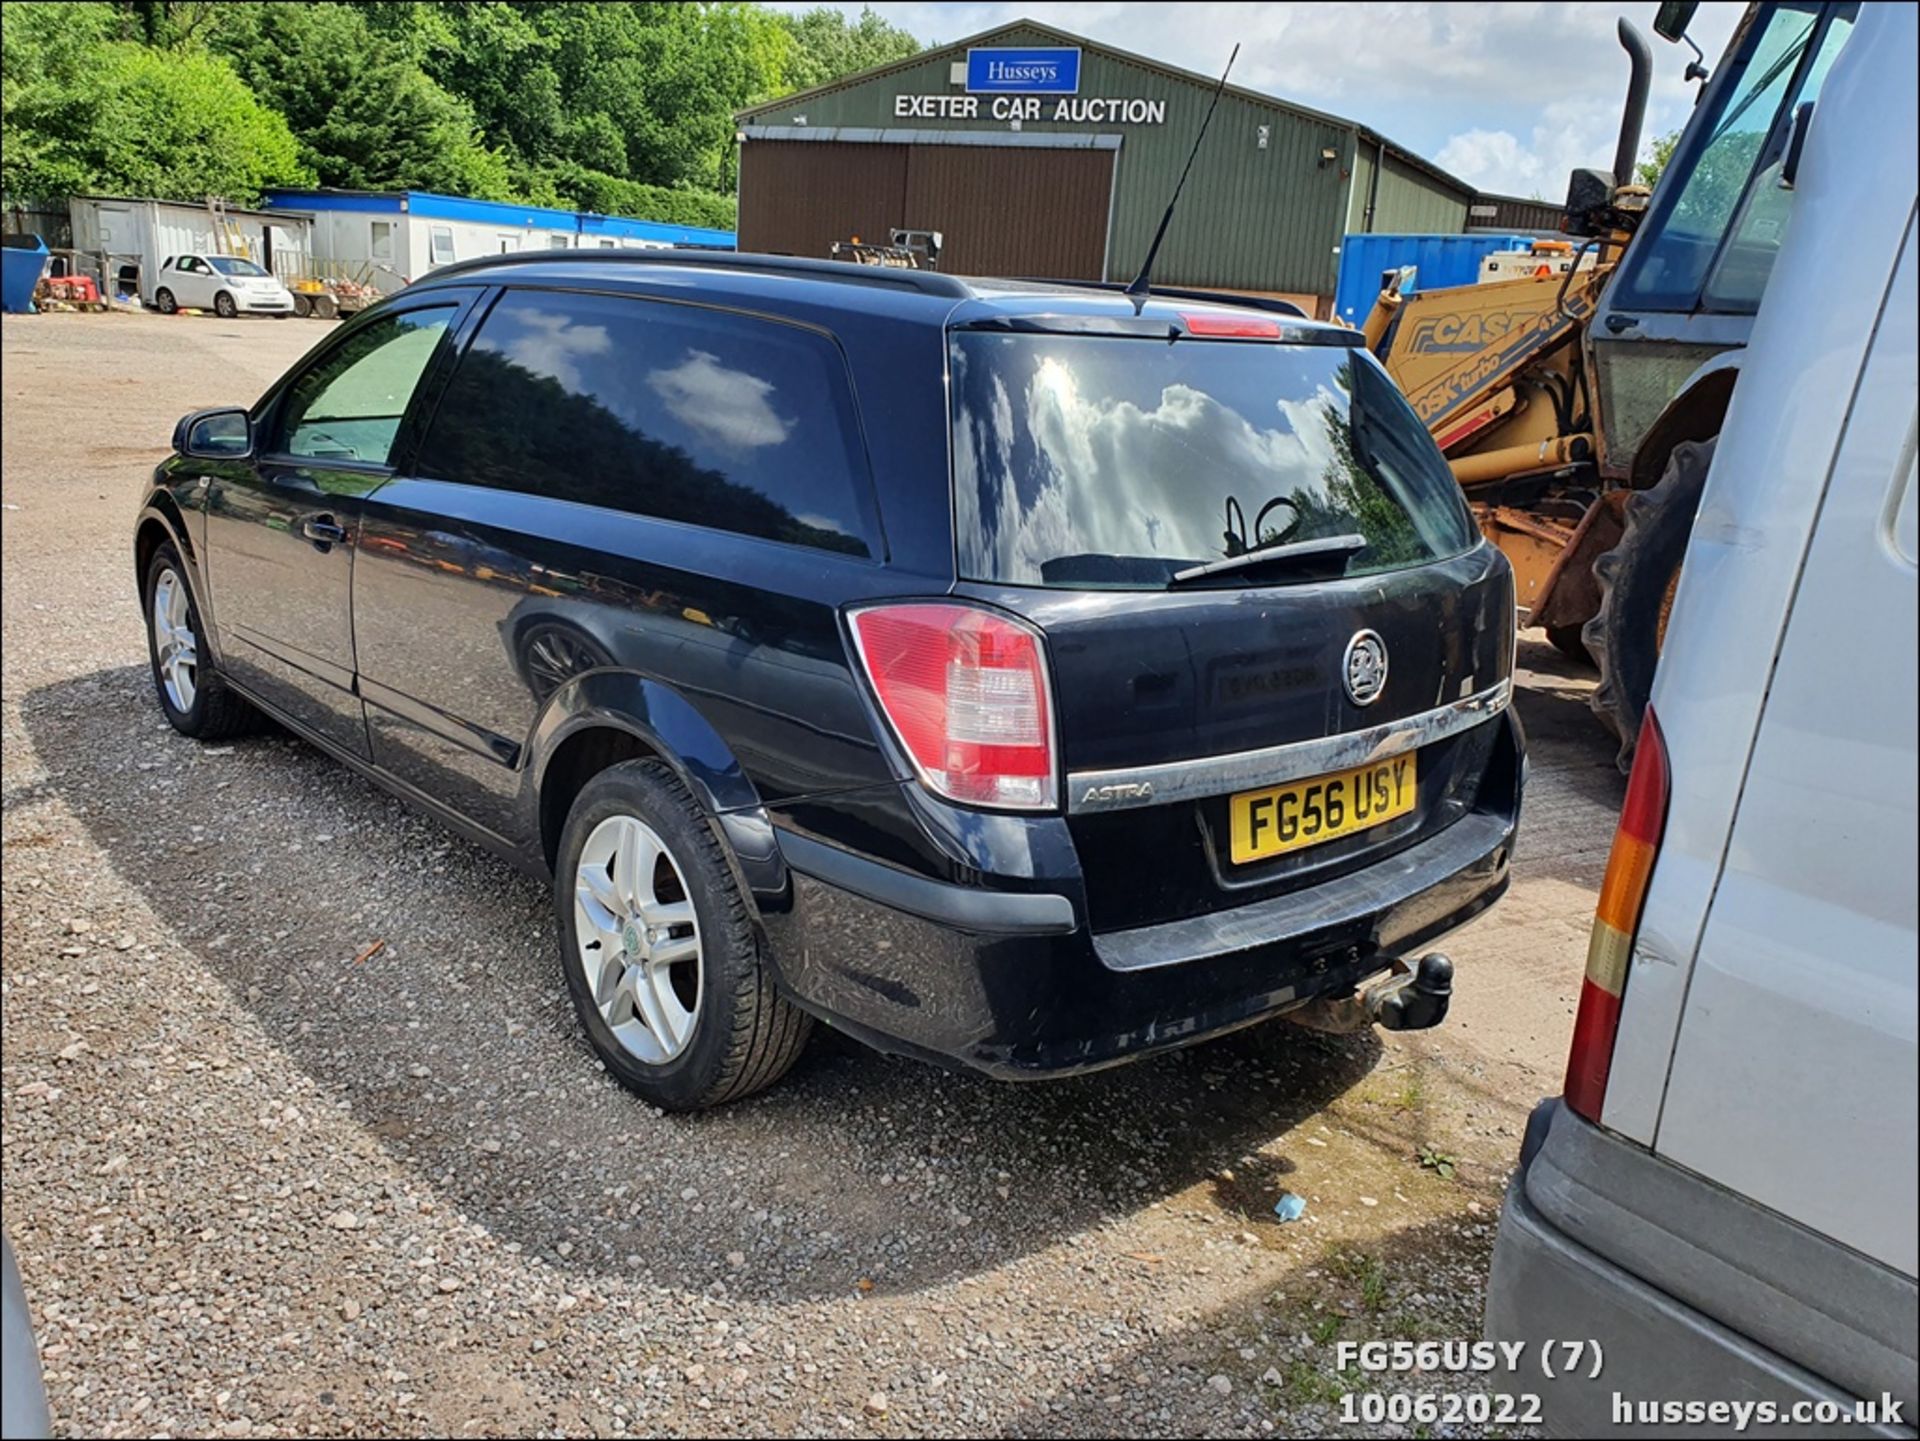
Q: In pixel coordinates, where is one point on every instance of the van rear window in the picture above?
(1088, 462)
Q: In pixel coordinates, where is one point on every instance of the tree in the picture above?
(1659, 153)
(365, 114)
(624, 106)
(83, 112)
(827, 45)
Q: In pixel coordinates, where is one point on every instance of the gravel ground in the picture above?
(264, 1179)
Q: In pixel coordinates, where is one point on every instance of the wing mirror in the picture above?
(225, 433)
(1670, 21)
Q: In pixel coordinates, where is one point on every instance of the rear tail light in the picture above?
(965, 691)
(1616, 920)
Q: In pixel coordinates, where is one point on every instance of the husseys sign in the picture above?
(1013, 84)
(1003, 70)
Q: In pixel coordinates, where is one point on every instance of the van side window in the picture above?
(675, 411)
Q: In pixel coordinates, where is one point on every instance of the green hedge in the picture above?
(574, 187)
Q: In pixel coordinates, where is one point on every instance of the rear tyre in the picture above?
(224, 307)
(164, 302)
(196, 701)
(1637, 580)
(661, 958)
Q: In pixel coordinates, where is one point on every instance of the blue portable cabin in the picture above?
(393, 237)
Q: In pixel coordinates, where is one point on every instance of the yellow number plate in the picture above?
(1290, 818)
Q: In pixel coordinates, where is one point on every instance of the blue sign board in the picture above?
(998, 70)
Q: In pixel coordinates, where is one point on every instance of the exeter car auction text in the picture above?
(1075, 109)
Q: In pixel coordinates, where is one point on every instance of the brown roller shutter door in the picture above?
(799, 196)
(1003, 211)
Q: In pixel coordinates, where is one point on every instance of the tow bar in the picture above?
(1403, 999)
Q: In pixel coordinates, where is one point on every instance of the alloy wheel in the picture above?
(637, 940)
(175, 647)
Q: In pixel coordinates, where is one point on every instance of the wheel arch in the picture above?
(161, 523)
(607, 716)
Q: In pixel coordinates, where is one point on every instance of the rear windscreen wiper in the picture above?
(1326, 547)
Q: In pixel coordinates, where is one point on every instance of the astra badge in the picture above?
(1365, 667)
(1118, 793)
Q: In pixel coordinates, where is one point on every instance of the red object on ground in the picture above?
(79, 289)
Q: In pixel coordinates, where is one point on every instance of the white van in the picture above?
(1725, 1197)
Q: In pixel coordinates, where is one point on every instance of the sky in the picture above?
(1508, 95)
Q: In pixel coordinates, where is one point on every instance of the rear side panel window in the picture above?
(1089, 462)
(674, 411)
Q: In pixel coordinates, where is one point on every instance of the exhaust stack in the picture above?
(1640, 54)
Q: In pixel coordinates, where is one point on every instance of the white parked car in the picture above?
(228, 285)
(1725, 1197)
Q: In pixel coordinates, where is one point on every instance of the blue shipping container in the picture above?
(1442, 260)
(19, 272)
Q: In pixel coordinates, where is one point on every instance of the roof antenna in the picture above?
(1139, 289)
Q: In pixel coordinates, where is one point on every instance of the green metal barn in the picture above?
(1037, 152)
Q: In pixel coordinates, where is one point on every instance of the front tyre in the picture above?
(661, 957)
(224, 307)
(195, 700)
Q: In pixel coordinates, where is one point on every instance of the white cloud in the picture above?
(550, 344)
(728, 405)
(1570, 134)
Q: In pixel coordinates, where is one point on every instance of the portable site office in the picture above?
(388, 238)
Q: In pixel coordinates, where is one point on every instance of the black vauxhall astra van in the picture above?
(1014, 675)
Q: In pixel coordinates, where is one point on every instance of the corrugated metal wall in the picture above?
(1412, 201)
(1508, 212)
(1256, 216)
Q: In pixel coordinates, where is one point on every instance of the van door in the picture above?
(282, 531)
(1794, 1076)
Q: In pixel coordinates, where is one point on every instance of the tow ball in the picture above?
(1404, 998)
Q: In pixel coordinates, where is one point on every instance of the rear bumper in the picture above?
(1014, 983)
(1656, 1347)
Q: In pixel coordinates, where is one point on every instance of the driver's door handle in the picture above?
(323, 530)
(1617, 323)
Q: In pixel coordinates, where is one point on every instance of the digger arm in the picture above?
(1456, 353)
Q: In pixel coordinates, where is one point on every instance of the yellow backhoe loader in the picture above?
(1578, 406)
